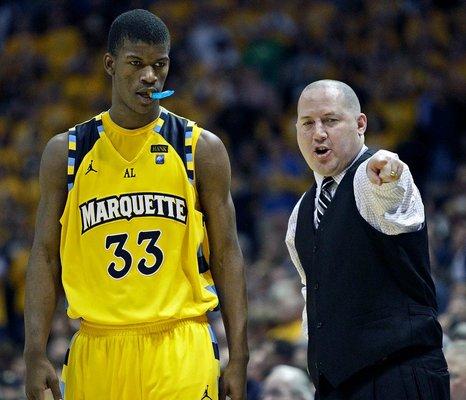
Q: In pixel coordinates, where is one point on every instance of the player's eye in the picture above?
(135, 63)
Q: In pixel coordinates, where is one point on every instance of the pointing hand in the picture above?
(383, 167)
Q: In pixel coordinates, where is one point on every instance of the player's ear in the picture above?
(109, 64)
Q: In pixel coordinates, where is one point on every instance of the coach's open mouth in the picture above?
(322, 150)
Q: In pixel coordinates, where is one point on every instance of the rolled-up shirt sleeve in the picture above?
(290, 244)
(391, 208)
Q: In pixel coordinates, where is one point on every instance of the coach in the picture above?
(358, 239)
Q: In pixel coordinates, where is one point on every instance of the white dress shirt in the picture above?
(392, 208)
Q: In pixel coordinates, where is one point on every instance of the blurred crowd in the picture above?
(237, 68)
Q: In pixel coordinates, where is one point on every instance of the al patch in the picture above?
(160, 159)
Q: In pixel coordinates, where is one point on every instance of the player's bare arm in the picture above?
(213, 177)
(43, 284)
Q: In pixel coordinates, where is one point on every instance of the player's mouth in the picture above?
(145, 95)
(322, 152)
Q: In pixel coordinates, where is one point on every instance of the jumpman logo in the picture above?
(90, 168)
(206, 394)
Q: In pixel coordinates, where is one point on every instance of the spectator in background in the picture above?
(455, 354)
(287, 383)
(211, 42)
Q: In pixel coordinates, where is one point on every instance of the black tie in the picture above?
(325, 197)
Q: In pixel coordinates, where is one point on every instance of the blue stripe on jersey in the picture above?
(62, 389)
(213, 336)
(211, 288)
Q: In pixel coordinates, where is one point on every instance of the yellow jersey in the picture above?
(133, 245)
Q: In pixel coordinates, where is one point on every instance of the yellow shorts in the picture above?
(170, 361)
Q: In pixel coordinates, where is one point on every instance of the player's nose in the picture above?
(148, 75)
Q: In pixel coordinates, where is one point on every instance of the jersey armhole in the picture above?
(192, 135)
(71, 171)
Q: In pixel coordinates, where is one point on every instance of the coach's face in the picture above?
(330, 134)
(137, 69)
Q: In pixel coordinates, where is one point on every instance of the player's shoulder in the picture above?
(57, 145)
(97, 117)
(211, 155)
(209, 142)
(212, 163)
(56, 149)
(188, 123)
(89, 127)
(54, 160)
(177, 116)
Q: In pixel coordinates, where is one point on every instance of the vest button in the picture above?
(319, 325)
(314, 249)
(316, 286)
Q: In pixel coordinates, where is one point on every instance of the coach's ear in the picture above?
(109, 63)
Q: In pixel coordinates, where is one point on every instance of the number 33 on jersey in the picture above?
(132, 241)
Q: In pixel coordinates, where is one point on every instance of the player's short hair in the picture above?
(137, 25)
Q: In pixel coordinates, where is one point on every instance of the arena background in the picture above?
(237, 68)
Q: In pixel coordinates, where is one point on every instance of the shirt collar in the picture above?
(338, 178)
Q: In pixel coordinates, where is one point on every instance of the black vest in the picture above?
(369, 295)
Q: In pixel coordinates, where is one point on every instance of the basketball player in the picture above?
(124, 197)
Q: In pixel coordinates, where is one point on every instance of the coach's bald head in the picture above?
(339, 89)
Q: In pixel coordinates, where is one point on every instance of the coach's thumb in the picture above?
(373, 175)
